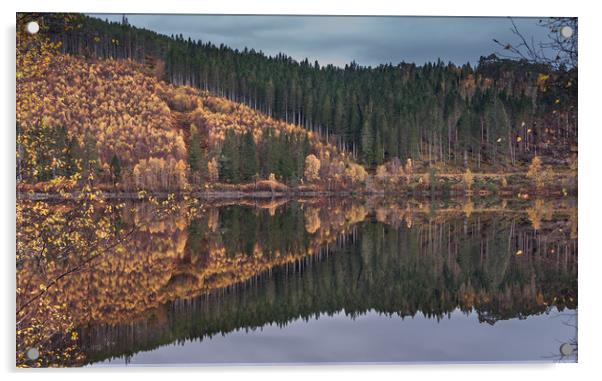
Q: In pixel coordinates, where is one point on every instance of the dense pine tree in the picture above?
(249, 159)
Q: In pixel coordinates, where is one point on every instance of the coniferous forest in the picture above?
(439, 112)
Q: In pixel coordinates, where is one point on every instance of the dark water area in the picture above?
(333, 282)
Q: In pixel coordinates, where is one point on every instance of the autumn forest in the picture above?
(126, 109)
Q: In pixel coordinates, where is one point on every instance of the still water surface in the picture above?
(345, 281)
(375, 338)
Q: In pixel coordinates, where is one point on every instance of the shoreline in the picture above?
(240, 195)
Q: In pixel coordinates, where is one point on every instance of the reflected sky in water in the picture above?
(377, 338)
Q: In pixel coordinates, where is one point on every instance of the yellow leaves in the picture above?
(312, 220)
(519, 139)
(541, 80)
(101, 234)
(121, 110)
(356, 173)
(312, 168)
(381, 173)
(128, 112)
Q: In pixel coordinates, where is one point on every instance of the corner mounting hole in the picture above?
(32, 27)
(566, 31)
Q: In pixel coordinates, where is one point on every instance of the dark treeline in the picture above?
(501, 112)
(431, 268)
(243, 160)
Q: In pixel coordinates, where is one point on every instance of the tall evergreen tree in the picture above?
(230, 159)
(249, 158)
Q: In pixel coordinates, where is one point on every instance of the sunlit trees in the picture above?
(158, 174)
(539, 175)
(97, 112)
(114, 123)
(356, 173)
(103, 125)
(312, 168)
(181, 100)
(409, 167)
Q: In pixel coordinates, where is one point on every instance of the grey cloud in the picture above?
(340, 40)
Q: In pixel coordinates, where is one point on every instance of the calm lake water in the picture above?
(333, 281)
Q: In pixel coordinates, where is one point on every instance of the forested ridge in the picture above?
(112, 122)
(498, 113)
(111, 105)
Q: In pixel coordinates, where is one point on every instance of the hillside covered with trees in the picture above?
(128, 109)
(111, 122)
(500, 112)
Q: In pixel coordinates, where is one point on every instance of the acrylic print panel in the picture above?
(206, 189)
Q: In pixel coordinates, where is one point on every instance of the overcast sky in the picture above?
(339, 40)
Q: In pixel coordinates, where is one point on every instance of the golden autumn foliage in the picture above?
(312, 168)
(356, 173)
(538, 174)
(148, 257)
(158, 174)
(539, 211)
(409, 167)
(132, 269)
(47, 236)
(535, 169)
(312, 220)
(111, 100)
(468, 208)
(115, 108)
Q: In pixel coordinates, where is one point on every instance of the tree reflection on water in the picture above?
(190, 270)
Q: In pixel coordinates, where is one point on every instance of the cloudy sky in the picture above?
(340, 40)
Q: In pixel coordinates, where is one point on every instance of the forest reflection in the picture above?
(224, 266)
